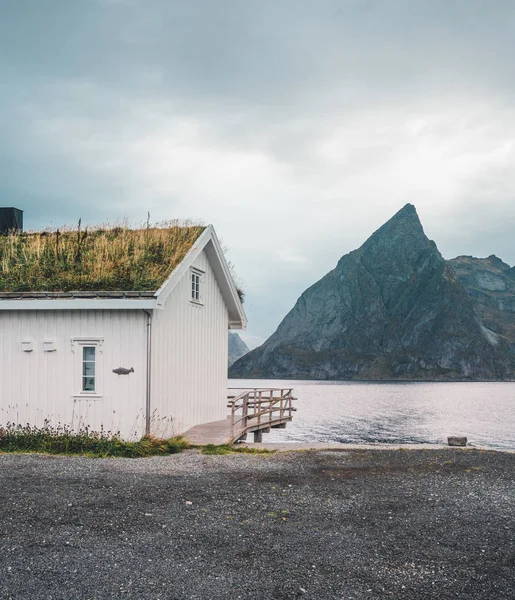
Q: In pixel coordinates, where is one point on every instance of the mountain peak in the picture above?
(402, 234)
(404, 221)
(396, 246)
(406, 217)
(498, 262)
(408, 208)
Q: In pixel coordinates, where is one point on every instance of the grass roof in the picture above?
(101, 258)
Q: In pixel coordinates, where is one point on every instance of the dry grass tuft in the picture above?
(63, 440)
(108, 257)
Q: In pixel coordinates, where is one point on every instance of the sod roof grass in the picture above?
(104, 258)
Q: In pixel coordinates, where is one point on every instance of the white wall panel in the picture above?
(39, 385)
(189, 357)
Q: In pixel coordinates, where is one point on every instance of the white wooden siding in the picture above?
(39, 385)
(189, 357)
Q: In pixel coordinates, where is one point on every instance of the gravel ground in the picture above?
(369, 524)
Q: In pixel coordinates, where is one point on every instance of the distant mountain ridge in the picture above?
(237, 347)
(395, 309)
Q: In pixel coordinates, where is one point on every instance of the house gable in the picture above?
(189, 354)
(208, 242)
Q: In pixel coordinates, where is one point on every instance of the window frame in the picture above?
(86, 376)
(78, 345)
(196, 281)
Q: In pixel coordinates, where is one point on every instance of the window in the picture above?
(196, 286)
(88, 369)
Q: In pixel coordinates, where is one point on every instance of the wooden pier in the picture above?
(256, 411)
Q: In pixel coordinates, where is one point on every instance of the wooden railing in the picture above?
(259, 409)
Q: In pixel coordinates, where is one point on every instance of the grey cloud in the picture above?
(303, 124)
(253, 51)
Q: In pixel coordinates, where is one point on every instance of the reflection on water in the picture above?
(359, 412)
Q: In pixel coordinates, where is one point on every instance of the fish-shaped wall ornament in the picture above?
(123, 371)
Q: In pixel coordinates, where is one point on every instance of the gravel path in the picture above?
(323, 525)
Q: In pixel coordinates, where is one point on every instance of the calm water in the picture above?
(358, 412)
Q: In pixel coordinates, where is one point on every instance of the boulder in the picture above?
(457, 440)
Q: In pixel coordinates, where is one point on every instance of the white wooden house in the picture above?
(152, 362)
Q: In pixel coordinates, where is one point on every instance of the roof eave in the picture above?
(79, 304)
(237, 316)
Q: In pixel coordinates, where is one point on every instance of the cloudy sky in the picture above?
(296, 127)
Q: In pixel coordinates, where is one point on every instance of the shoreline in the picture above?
(337, 446)
(371, 380)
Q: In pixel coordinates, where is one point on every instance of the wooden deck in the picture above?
(252, 411)
(217, 432)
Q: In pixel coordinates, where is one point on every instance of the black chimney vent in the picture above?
(11, 219)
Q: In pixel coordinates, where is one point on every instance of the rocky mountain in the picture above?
(490, 284)
(237, 347)
(396, 309)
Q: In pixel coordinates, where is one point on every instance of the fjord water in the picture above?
(397, 413)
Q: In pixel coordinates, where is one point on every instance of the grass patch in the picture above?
(234, 449)
(61, 440)
(109, 257)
